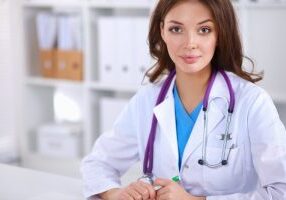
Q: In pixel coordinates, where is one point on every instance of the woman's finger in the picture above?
(165, 196)
(150, 188)
(163, 190)
(142, 190)
(133, 193)
(125, 196)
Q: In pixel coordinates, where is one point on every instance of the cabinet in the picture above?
(9, 48)
(262, 33)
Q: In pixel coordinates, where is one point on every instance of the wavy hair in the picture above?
(228, 53)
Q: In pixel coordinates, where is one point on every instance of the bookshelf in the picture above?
(258, 23)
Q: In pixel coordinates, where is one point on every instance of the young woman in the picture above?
(201, 118)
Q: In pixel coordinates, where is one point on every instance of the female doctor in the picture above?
(201, 118)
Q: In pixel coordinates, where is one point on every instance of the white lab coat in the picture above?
(257, 164)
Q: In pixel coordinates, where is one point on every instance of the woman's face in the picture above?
(190, 34)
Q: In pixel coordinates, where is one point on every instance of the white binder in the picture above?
(124, 50)
(142, 57)
(69, 32)
(107, 50)
(46, 30)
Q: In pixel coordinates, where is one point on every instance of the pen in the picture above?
(175, 179)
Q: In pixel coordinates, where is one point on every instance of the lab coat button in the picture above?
(187, 166)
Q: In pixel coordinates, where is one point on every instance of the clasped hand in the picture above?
(143, 191)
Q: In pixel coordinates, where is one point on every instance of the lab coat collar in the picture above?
(165, 114)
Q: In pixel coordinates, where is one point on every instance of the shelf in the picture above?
(39, 92)
(128, 4)
(39, 81)
(52, 3)
(125, 4)
(47, 82)
(108, 87)
(113, 4)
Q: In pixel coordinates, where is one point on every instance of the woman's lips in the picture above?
(190, 59)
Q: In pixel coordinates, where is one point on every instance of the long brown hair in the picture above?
(228, 54)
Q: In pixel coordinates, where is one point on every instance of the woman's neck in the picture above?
(192, 87)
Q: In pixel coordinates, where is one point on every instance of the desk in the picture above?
(25, 184)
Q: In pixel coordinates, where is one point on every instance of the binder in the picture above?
(47, 62)
(69, 53)
(46, 34)
(46, 30)
(108, 73)
(124, 50)
(143, 60)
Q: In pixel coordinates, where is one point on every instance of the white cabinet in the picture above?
(9, 85)
(39, 92)
(263, 31)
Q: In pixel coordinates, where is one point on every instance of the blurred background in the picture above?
(68, 67)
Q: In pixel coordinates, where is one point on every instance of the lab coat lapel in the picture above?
(165, 114)
(215, 116)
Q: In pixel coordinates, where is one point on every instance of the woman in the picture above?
(212, 126)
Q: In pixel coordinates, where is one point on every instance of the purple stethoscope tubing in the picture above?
(148, 158)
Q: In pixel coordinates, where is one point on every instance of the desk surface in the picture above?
(25, 184)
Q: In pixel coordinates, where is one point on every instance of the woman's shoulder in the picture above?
(246, 89)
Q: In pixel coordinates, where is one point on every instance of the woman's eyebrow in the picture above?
(175, 22)
(204, 21)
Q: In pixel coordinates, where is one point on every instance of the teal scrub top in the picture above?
(184, 123)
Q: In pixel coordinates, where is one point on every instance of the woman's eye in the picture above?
(175, 29)
(205, 30)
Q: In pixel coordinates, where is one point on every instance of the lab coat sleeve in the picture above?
(268, 148)
(113, 153)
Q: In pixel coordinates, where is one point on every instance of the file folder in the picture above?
(124, 51)
(143, 60)
(108, 73)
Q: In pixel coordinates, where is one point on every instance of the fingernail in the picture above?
(157, 187)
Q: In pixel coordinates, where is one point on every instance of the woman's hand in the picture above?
(173, 191)
(137, 191)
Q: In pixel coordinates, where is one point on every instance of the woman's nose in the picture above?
(191, 41)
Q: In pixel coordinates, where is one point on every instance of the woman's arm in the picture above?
(112, 154)
(135, 190)
(111, 194)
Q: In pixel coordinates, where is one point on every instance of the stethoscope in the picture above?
(148, 158)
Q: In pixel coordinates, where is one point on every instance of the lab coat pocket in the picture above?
(228, 178)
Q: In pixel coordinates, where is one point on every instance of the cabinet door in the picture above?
(7, 80)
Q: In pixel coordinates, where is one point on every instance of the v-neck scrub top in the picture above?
(184, 123)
